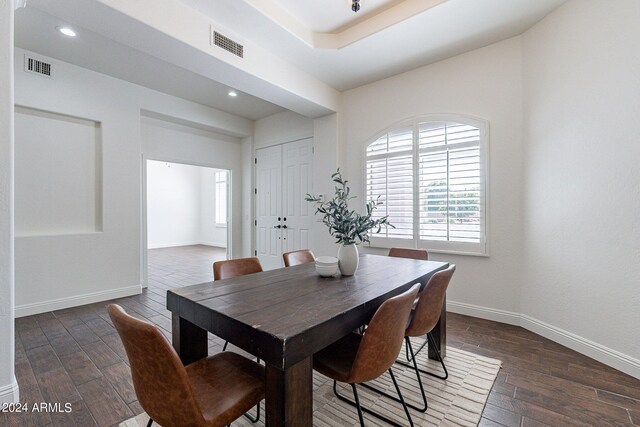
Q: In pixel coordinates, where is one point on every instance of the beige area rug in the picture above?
(458, 401)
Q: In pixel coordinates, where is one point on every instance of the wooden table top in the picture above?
(287, 314)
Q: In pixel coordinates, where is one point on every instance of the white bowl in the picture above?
(327, 270)
(327, 260)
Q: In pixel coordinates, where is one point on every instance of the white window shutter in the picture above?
(431, 173)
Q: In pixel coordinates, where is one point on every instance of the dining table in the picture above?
(284, 316)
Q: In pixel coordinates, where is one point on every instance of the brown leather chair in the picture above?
(235, 267)
(357, 358)
(211, 392)
(302, 256)
(409, 253)
(424, 318)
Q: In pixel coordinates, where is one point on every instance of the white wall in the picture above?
(181, 206)
(326, 140)
(60, 271)
(247, 157)
(487, 84)
(8, 384)
(581, 269)
(281, 127)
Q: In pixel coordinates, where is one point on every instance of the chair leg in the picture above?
(415, 367)
(257, 417)
(406, 348)
(355, 395)
(361, 409)
(404, 405)
(224, 348)
(422, 409)
(431, 342)
(150, 422)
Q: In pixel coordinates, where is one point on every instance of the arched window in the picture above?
(431, 177)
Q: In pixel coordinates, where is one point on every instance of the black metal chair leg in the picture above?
(150, 422)
(404, 405)
(415, 366)
(355, 395)
(369, 411)
(424, 343)
(256, 418)
(432, 342)
(396, 399)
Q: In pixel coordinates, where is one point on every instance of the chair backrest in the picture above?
(159, 377)
(409, 253)
(383, 337)
(235, 267)
(302, 256)
(427, 311)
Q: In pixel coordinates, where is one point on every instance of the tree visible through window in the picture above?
(431, 177)
(221, 198)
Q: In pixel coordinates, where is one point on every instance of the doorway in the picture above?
(283, 218)
(187, 216)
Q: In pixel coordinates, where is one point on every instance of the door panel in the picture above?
(268, 206)
(297, 213)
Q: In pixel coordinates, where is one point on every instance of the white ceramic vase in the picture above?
(348, 259)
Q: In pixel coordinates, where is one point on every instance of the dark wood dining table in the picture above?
(286, 315)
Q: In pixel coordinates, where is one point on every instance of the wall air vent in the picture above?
(226, 43)
(38, 66)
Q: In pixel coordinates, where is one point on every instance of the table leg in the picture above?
(440, 333)
(189, 340)
(289, 395)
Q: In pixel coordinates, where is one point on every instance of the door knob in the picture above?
(278, 226)
(284, 226)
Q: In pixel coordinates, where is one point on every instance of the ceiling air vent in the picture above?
(227, 43)
(38, 66)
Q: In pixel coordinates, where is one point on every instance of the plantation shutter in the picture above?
(450, 182)
(389, 172)
(431, 179)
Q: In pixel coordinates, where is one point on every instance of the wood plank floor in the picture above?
(75, 356)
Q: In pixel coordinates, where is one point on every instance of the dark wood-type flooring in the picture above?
(75, 356)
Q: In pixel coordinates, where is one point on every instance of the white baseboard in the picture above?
(625, 363)
(216, 244)
(10, 393)
(606, 355)
(497, 315)
(177, 244)
(76, 300)
(171, 244)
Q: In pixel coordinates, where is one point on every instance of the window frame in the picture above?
(448, 247)
(224, 181)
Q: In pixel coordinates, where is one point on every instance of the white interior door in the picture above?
(269, 206)
(297, 214)
(283, 218)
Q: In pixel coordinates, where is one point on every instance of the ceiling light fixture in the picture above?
(66, 31)
(233, 93)
(355, 5)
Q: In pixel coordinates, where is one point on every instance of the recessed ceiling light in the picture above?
(233, 93)
(66, 31)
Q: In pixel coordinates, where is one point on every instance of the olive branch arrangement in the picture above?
(347, 226)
